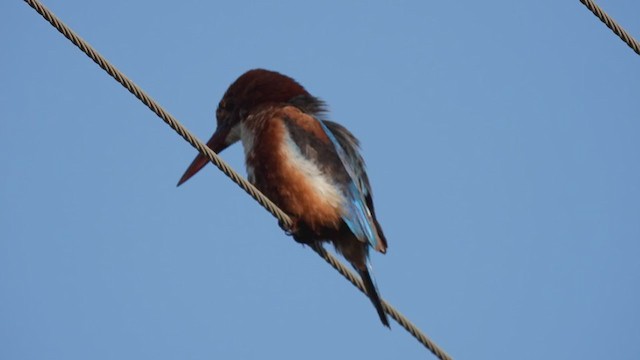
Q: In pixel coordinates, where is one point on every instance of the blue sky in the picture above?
(502, 145)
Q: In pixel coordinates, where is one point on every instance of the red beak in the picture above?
(217, 143)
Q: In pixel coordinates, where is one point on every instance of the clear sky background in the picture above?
(502, 140)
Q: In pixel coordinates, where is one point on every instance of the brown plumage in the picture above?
(308, 166)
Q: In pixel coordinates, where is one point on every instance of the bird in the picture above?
(308, 165)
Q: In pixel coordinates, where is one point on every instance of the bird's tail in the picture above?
(374, 295)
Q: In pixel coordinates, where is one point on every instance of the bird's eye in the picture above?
(225, 105)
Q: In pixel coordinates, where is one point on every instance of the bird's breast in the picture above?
(278, 167)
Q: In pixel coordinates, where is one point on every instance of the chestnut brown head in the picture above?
(251, 90)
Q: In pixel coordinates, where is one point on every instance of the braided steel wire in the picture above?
(395, 314)
(612, 24)
(282, 217)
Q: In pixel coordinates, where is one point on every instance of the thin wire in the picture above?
(224, 167)
(388, 308)
(612, 24)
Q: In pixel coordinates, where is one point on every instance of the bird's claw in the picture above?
(289, 230)
(295, 230)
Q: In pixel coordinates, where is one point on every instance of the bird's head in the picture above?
(251, 90)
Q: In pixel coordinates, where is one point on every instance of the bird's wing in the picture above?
(348, 147)
(359, 217)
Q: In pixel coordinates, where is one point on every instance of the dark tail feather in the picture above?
(374, 296)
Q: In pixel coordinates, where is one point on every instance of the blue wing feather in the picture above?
(358, 217)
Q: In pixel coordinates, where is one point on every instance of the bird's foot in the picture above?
(297, 231)
(289, 230)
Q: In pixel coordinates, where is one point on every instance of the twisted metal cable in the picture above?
(158, 110)
(388, 308)
(612, 24)
(224, 167)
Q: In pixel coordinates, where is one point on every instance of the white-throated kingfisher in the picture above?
(309, 166)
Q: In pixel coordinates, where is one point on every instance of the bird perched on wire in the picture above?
(309, 166)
